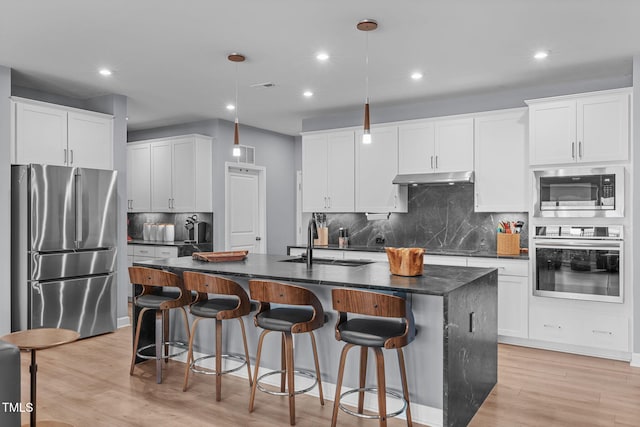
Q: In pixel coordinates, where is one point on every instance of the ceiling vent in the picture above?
(247, 154)
(265, 84)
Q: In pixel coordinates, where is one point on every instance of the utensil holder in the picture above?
(508, 244)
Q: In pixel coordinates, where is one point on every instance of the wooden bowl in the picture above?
(406, 261)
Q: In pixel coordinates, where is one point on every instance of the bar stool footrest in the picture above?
(372, 389)
(182, 348)
(230, 356)
(306, 374)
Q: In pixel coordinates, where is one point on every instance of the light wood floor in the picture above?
(87, 383)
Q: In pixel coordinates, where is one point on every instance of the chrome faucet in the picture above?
(312, 233)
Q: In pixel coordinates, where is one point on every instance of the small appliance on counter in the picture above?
(196, 230)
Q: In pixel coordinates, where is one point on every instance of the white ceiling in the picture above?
(170, 57)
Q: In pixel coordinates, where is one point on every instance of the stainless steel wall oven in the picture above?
(579, 262)
(580, 192)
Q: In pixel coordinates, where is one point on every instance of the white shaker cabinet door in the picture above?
(603, 128)
(500, 162)
(161, 171)
(416, 148)
(183, 175)
(139, 177)
(41, 135)
(314, 173)
(454, 145)
(340, 168)
(90, 141)
(552, 132)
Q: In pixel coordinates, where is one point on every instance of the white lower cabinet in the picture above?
(578, 326)
(513, 294)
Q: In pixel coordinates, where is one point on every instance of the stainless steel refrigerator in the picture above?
(63, 248)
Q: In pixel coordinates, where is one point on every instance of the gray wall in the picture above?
(5, 200)
(486, 101)
(273, 150)
(635, 196)
(117, 106)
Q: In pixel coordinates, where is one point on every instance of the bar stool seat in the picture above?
(218, 298)
(382, 322)
(152, 301)
(299, 311)
(370, 332)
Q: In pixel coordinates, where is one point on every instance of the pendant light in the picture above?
(236, 57)
(367, 25)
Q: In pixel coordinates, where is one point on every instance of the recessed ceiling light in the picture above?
(416, 76)
(231, 107)
(322, 56)
(308, 93)
(105, 72)
(541, 54)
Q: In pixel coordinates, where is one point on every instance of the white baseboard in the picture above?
(123, 322)
(567, 348)
(421, 414)
(635, 360)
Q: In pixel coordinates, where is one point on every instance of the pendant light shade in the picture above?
(367, 25)
(237, 58)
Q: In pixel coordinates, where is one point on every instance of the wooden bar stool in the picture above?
(288, 321)
(369, 332)
(230, 302)
(152, 280)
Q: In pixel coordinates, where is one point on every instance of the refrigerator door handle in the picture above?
(78, 200)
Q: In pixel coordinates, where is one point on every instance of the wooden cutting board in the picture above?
(220, 256)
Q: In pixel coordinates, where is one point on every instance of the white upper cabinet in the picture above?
(376, 166)
(180, 171)
(436, 146)
(586, 128)
(56, 135)
(139, 177)
(501, 162)
(328, 172)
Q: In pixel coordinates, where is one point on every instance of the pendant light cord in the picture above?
(236, 92)
(366, 62)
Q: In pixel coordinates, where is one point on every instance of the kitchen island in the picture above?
(452, 364)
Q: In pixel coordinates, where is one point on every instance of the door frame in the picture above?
(262, 201)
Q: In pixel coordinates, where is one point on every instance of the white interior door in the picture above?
(245, 211)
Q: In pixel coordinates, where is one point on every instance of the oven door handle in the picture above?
(595, 244)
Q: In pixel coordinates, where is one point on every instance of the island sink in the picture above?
(329, 261)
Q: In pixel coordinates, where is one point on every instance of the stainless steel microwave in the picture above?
(580, 192)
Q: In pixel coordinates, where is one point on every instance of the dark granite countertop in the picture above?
(437, 280)
(443, 252)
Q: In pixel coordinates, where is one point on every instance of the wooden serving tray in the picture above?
(220, 256)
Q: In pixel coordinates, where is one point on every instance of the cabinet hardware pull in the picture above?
(436, 162)
(573, 150)
(472, 322)
(431, 162)
(329, 206)
(552, 326)
(71, 156)
(596, 331)
(169, 202)
(580, 149)
(65, 156)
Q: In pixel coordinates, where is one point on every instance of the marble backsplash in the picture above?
(136, 222)
(439, 217)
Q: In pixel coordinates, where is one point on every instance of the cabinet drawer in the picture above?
(551, 324)
(143, 250)
(371, 256)
(606, 331)
(445, 260)
(505, 267)
(166, 252)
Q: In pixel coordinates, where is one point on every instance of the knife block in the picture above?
(323, 237)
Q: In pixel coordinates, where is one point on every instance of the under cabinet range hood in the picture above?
(434, 178)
